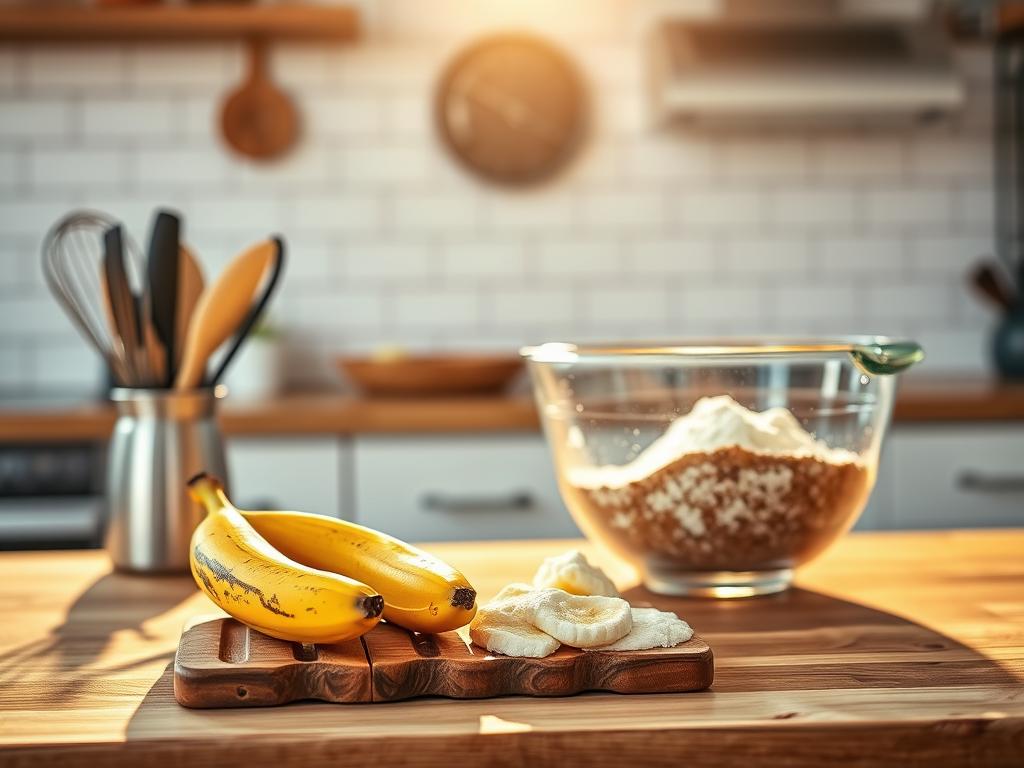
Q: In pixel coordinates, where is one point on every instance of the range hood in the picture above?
(759, 62)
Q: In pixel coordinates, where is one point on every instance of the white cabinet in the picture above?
(436, 488)
(954, 477)
(305, 474)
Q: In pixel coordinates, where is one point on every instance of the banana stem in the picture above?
(208, 491)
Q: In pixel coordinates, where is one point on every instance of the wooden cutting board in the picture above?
(222, 663)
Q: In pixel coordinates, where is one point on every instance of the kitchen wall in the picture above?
(650, 233)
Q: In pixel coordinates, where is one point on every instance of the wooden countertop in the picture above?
(896, 648)
(920, 400)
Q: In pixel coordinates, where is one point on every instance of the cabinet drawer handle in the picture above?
(970, 480)
(521, 501)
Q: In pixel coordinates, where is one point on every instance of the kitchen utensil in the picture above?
(160, 440)
(255, 312)
(162, 284)
(212, 669)
(730, 500)
(989, 280)
(122, 305)
(431, 375)
(259, 120)
(73, 253)
(222, 308)
(190, 287)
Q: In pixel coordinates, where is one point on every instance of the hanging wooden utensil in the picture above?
(259, 120)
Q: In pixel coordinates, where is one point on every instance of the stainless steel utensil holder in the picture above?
(161, 439)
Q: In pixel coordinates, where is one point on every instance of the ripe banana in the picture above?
(420, 592)
(259, 586)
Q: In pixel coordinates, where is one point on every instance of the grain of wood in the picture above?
(897, 648)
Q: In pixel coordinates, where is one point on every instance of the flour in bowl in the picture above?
(727, 488)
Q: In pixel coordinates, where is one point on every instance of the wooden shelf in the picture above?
(178, 23)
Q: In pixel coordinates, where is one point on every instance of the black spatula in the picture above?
(162, 284)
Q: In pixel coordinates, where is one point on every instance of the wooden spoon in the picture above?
(259, 120)
(221, 309)
(190, 288)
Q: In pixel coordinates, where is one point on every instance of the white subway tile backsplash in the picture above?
(813, 208)
(436, 309)
(202, 67)
(31, 218)
(92, 168)
(628, 211)
(74, 67)
(583, 259)
(482, 259)
(719, 208)
(388, 261)
(341, 118)
(950, 157)
(10, 65)
(385, 165)
(250, 216)
(767, 255)
(339, 309)
(668, 256)
(32, 119)
(189, 168)
(65, 365)
(826, 302)
(651, 230)
(11, 176)
(340, 213)
(425, 213)
(540, 213)
(407, 116)
(909, 207)
(675, 156)
(860, 254)
(771, 158)
(699, 304)
(533, 307)
(110, 120)
(858, 158)
(642, 310)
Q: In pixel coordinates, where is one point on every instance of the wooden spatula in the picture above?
(220, 310)
(190, 287)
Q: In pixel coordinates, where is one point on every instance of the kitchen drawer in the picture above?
(956, 477)
(455, 488)
(305, 474)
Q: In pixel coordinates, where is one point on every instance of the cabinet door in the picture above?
(459, 488)
(304, 474)
(957, 477)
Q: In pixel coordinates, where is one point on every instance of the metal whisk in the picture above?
(73, 264)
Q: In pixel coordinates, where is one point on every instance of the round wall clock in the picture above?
(512, 108)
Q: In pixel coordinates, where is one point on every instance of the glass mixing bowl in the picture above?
(717, 468)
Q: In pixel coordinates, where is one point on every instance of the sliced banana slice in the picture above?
(578, 620)
(502, 626)
(515, 589)
(575, 575)
(651, 629)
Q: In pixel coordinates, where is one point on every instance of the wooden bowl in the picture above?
(431, 375)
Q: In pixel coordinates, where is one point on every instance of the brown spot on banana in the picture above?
(219, 572)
